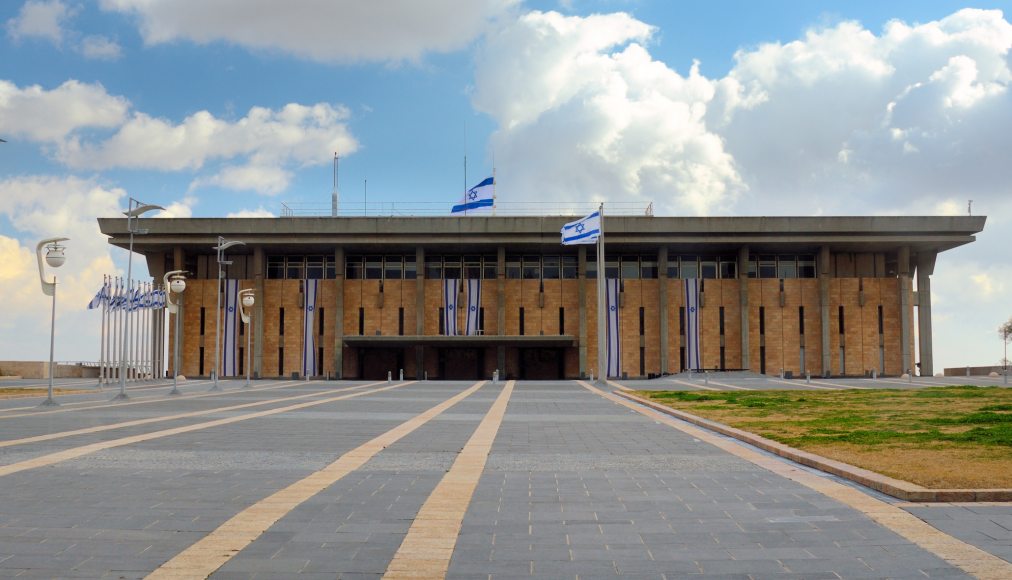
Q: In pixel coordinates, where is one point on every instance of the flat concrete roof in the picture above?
(462, 234)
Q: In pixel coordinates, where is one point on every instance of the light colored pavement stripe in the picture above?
(815, 384)
(149, 420)
(215, 549)
(64, 403)
(969, 558)
(695, 386)
(428, 546)
(75, 452)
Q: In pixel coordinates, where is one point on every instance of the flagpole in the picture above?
(114, 323)
(101, 338)
(602, 331)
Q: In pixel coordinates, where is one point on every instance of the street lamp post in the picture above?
(134, 211)
(55, 258)
(221, 247)
(175, 282)
(246, 301)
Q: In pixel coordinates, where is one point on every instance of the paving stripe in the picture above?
(215, 549)
(148, 421)
(75, 452)
(428, 546)
(814, 384)
(966, 557)
(695, 386)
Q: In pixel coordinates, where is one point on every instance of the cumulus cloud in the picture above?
(39, 19)
(583, 110)
(321, 30)
(179, 209)
(69, 107)
(260, 212)
(97, 47)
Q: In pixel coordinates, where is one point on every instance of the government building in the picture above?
(461, 297)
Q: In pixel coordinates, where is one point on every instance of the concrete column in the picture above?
(925, 268)
(156, 348)
(339, 313)
(824, 275)
(906, 328)
(259, 268)
(178, 259)
(500, 311)
(420, 311)
(743, 300)
(582, 296)
(662, 304)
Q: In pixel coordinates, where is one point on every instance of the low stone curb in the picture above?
(896, 488)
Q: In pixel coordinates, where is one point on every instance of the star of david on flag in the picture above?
(582, 231)
(480, 198)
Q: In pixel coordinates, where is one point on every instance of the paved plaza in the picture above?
(459, 479)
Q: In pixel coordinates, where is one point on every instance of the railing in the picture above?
(421, 208)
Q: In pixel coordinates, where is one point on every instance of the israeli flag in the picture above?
(692, 344)
(450, 306)
(312, 288)
(102, 297)
(473, 307)
(479, 198)
(229, 365)
(614, 348)
(582, 231)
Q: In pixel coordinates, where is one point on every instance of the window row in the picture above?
(301, 267)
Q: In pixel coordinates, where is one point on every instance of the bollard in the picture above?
(390, 377)
(781, 374)
(425, 376)
(592, 376)
(401, 375)
(495, 377)
(808, 377)
(874, 374)
(706, 377)
(967, 371)
(910, 377)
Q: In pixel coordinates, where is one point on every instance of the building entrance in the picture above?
(374, 363)
(542, 364)
(461, 363)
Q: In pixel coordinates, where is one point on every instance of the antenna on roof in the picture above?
(333, 195)
(969, 207)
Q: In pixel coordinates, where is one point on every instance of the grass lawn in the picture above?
(937, 437)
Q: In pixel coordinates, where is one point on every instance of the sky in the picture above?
(235, 107)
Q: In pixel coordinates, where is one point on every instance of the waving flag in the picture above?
(101, 297)
(479, 198)
(582, 231)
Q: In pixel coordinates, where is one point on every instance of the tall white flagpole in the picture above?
(116, 330)
(143, 346)
(101, 338)
(602, 330)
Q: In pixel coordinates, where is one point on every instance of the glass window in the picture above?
(451, 267)
(806, 266)
(513, 267)
(767, 267)
(690, 267)
(410, 271)
(591, 267)
(630, 268)
(295, 266)
(275, 267)
(393, 267)
(489, 267)
(787, 266)
(648, 269)
(728, 268)
(314, 267)
(532, 267)
(331, 272)
(611, 268)
(374, 267)
(472, 267)
(551, 267)
(433, 267)
(708, 268)
(570, 267)
(353, 269)
(673, 269)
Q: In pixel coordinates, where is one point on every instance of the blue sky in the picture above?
(211, 109)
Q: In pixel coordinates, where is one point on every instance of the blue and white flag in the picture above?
(614, 347)
(229, 366)
(102, 297)
(473, 307)
(312, 288)
(116, 290)
(692, 345)
(450, 286)
(582, 231)
(478, 199)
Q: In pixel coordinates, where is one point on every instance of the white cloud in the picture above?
(39, 19)
(52, 115)
(263, 179)
(99, 47)
(584, 111)
(179, 209)
(260, 212)
(322, 30)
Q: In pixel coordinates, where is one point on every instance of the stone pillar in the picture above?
(925, 268)
(662, 304)
(582, 296)
(259, 268)
(824, 275)
(906, 329)
(156, 317)
(339, 266)
(419, 311)
(743, 300)
(500, 310)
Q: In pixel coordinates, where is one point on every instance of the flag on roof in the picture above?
(479, 198)
(582, 231)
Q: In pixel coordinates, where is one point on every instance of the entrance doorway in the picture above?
(374, 363)
(456, 364)
(542, 364)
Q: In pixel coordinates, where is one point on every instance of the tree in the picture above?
(1005, 332)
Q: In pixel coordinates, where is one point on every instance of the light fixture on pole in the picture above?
(134, 211)
(55, 258)
(221, 247)
(246, 301)
(175, 282)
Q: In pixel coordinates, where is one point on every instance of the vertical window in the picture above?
(203, 319)
(841, 320)
(562, 320)
(673, 268)
(728, 268)
(281, 322)
(806, 266)
(762, 320)
(722, 360)
(353, 268)
(552, 267)
(642, 321)
(393, 267)
(681, 321)
(611, 268)
(681, 357)
(767, 266)
(442, 320)
(275, 267)
(201, 356)
(521, 321)
(400, 321)
(762, 360)
(490, 267)
(295, 266)
(708, 268)
(451, 267)
(281, 361)
(242, 356)
(801, 321)
(331, 272)
(881, 321)
(591, 267)
(648, 268)
(242, 328)
(433, 267)
(321, 316)
(532, 267)
(373, 267)
(570, 267)
(787, 266)
(513, 267)
(410, 268)
(630, 268)
(690, 267)
(481, 319)
(319, 362)
(361, 321)
(472, 267)
(643, 367)
(314, 267)
(722, 322)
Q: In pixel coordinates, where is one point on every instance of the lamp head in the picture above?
(226, 245)
(54, 255)
(177, 285)
(142, 209)
(248, 300)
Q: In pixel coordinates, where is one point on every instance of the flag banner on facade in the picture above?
(450, 288)
(478, 199)
(473, 307)
(692, 345)
(101, 298)
(312, 288)
(229, 368)
(614, 346)
(582, 231)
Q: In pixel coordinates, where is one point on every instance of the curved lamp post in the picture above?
(221, 247)
(246, 301)
(133, 213)
(55, 258)
(175, 281)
